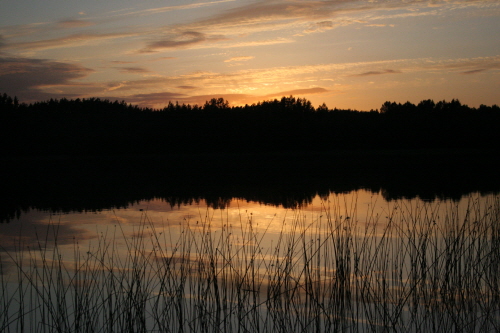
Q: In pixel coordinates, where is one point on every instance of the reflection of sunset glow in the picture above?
(162, 263)
(361, 209)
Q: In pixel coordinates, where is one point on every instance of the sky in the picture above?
(344, 53)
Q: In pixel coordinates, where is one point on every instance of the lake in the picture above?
(351, 243)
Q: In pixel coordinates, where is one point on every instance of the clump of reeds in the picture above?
(417, 268)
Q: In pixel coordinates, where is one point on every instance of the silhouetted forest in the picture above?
(101, 127)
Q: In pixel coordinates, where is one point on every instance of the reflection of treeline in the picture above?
(281, 179)
(94, 126)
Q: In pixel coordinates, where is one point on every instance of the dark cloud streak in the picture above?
(25, 77)
(474, 71)
(183, 40)
(133, 70)
(370, 73)
(305, 91)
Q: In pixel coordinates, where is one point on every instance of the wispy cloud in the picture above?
(320, 27)
(254, 43)
(134, 70)
(474, 71)
(121, 62)
(165, 9)
(69, 24)
(267, 11)
(246, 58)
(67, 41)
(386, 71)
(467, 65)
(380, 25)
(183, 40)
(295, 92)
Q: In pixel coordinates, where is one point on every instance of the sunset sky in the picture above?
(345, 53)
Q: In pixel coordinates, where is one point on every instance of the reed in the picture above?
(418, 267)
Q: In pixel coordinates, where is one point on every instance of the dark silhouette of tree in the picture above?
(218, 104)
(426, 106)
(322, 108)
(8, 103)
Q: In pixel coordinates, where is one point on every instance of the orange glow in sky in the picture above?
(345, 53)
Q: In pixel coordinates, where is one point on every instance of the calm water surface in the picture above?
(361, 207)
(361, 256)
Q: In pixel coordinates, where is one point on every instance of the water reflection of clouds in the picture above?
(363, 208)
(37, 229)
(240, 213)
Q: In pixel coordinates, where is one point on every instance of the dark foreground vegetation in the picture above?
(101, 127)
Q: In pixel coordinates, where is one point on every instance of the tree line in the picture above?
(94, 126)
